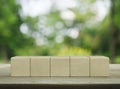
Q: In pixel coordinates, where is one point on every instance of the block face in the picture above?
(59, 66)
(40, 66)
(79, 66)
(20, 66)
(99, 66)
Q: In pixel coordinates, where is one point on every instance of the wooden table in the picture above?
(8, 82)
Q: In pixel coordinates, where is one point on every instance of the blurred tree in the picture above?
(62, 26)
(115, 28)
(108, 32)
(76, 27)
(106, 39)
(10, 36)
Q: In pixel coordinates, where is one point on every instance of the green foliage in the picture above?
(117, 14)
(118, 60)
(10, 35)
(73, 51)
(55, 31)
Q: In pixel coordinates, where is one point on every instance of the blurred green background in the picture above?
(59, 27)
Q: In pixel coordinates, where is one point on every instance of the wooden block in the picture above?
(59, 66)
(79, 66)
(40, 66)
(99, 66)
(20, 66)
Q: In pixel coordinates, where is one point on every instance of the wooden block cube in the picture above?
(59, 66)
(79, 66)
(40, 66)
(99, 66)
(20, 66)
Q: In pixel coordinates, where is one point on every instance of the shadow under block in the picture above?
(79, 66)
(40, 66)
(99, 66)
(20, 66)
(59, 66)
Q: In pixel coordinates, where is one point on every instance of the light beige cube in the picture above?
(79, 66)
(40, 66)
(59, 66)
(20, 66)
(99, 66)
